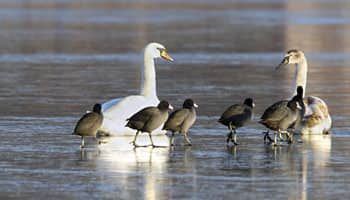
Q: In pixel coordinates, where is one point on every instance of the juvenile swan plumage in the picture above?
(317, 119)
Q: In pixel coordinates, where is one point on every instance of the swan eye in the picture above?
(286, 60)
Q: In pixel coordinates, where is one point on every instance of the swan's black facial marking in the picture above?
(285, 60)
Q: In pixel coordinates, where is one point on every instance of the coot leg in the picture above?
(280, 136)
(275, 138)
(234, 141)
(153, 145)
(150, 137)
(82, 142)
(134, 141)
(187, 140)
(289, 137)
(267, 136)
(172, 139)
(229, 136)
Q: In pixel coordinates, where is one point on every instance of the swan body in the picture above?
(116, 111)
(317, 119)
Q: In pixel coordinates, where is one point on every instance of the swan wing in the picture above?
(125, 107)
(110, 103)
(116, 112)
(315, 106)
(317, 117)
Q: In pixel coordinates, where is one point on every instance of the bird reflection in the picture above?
(82, 154)
(232, 150)
(275, 152)
(119, 151)
(319, 148)
(119, 156)
(88, 154)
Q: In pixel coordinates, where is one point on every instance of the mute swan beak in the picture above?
(166, 56)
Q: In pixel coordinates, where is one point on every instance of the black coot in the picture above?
(279, 117)
(89, 124)
(181, 120)
(237, 116)
(149, 119)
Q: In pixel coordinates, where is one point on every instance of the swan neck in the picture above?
(148, 82)
(300, 76)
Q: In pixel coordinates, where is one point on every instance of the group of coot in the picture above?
(278, 117)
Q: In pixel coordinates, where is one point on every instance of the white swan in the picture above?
(317, 119)
(116, 111)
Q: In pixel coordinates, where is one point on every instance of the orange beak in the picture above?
(166, 56)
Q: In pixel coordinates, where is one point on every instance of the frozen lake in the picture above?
(60, 57)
